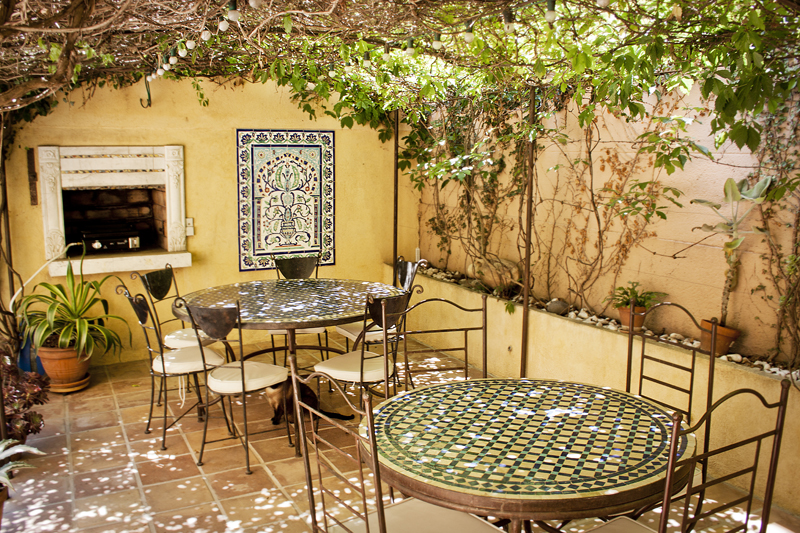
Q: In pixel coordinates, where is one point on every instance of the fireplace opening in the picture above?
(107, 220)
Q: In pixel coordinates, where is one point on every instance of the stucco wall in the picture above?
(363, 186)
(561, 348)
(670, 260)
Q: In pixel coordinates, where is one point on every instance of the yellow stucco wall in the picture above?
(561, 348)
(363, 181)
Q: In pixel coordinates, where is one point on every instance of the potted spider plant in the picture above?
(8, 449)
(66, 326)
(738, 196)
(624, 297)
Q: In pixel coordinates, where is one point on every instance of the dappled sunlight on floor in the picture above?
(103, 473)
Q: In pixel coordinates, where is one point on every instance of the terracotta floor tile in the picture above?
(136, 432)
(34, 489)
(118, 527)
(163, 470)
(124, 507)
(133, 399)
(52, 409)
(274, 449)
(96, 438)
(87, 421)
(289, 472)
(227, 459)
(138, 415)
(51, 518)
(91, 405)
(128, 370)
(104, 481)
(53, 427)
(267, 507)
(50, 445)
(181, 494)
(135, 384)
(235, 483)
(94, 390)
(101, 458)
(206, 518)
(150, 449)
(195, 438)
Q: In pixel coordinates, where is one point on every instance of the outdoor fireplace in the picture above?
(125, 203)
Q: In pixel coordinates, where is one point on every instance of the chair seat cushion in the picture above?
(347, 367)
(227, 379)
(421, 517)
(352, 331)
(300, 331)
(186, 360)
(182, 338)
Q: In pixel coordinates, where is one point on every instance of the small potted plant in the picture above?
(624, 297)
(8, 449)
(737, 195)
(66, 326)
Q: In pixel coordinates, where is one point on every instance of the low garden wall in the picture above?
(562, 348)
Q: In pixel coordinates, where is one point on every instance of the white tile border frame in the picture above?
(53, 214)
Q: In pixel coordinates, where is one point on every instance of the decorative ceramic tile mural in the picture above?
(286, 202)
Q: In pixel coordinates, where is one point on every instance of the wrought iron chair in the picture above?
(297, 268)
(730, 460)
(450, 340)
(237, 378)
(166, 363)
(362, 366)
(161, 289)
(406, 272)
(669, 381)
(666, 381)
(326, 458)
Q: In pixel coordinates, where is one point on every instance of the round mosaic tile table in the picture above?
(292, 303)
(526, 449)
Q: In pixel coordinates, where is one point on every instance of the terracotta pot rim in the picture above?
(724, 330)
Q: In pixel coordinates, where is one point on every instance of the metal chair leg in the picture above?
(152, 400)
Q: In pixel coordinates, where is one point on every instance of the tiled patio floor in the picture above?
(102, 473)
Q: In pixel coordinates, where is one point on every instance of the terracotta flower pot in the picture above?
(625, 317)
(66, 373)
(725, 337)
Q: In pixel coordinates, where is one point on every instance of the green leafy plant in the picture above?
(67, 316)
(632, 296)
(9, 448)
(738, 195)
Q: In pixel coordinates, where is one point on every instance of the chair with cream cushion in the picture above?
(365, 367)
(297, 268)
(161, 289)
(406, 272)
(239, 377)
(182, 362)
(337, 471)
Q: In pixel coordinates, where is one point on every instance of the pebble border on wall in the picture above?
(286, 203)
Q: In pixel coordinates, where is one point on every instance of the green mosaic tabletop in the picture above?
(525, 439)
(290, 303)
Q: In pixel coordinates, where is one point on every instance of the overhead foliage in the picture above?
(743, 54)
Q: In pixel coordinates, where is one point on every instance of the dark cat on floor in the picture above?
(277, 393)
